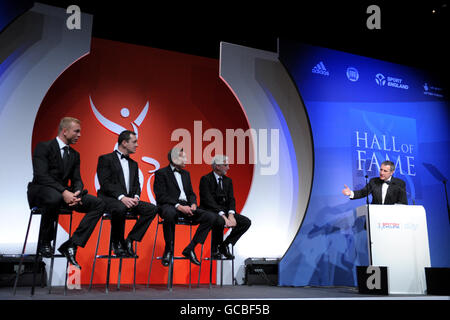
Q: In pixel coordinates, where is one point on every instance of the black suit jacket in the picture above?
(396, 193)
(48, 169)
(166, 187)
(111, 179)
(211, 198)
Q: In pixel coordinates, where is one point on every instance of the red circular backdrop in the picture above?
(120, 79)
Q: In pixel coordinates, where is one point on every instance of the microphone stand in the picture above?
(368, 221)
(446, 198)
(441, 178)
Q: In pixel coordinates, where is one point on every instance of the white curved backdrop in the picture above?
(278, 198)
(41, 52)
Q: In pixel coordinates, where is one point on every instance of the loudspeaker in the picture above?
(263, 271)
(438, 281)
(9, 264)
(372, 280)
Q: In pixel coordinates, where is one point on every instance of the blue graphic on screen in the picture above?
(363, 111)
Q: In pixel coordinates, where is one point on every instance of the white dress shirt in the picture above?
(384, 189)
(61, 146)
(180, 185)
(126, 174)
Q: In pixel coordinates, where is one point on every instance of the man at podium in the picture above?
(384, 189)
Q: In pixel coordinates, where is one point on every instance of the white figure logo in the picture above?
(117, 129)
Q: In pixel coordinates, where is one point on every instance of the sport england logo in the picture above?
(320, 69)
(389, 81)
(380, 79)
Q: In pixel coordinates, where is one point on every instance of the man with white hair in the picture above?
(216, 195)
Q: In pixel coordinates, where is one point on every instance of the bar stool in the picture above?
(40, 211)
(180, 221)
(233, 280)
(107, 217)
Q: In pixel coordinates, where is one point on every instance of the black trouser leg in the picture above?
(147, 213)
(93, 208)
(242, 225)
(169, 214)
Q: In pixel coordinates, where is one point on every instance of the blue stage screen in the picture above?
(363, 111)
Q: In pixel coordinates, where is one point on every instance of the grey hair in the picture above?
(390, 164)
(219, 159)
(174, 154)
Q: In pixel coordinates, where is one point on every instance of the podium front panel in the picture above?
(399, 240)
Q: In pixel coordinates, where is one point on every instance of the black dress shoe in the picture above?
(69, 250)
(166, 258)
(216, 255)
(190, 254)
(129, 249)
(223, 249)
(118, 249)
(45, 249)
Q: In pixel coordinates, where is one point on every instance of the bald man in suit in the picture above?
(57, 184)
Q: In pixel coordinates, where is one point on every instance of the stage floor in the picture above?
(241, 292)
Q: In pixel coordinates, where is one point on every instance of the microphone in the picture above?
(367, 194)
(82, 193)
(368, 220)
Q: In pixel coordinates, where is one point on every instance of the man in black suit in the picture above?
(216, 195)
(55, 163)
(175, 197)
(385, 190)
(120, 190)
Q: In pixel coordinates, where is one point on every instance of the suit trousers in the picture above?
(170, 214)
(118, 210)
(52, 201)
(242, 225)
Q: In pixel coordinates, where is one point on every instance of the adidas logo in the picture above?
(320, 69)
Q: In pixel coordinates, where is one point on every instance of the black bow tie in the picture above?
(176, 170)
(388, 182)
(122, 156)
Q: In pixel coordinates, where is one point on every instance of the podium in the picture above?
(398, 239)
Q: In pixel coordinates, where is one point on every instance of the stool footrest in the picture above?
(105, 256)
(33, 255)
(175, 258)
